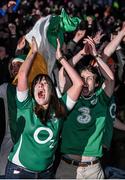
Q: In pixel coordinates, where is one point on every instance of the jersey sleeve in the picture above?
(23, 99)
(104, 99)
(22, 95)
(69, 103)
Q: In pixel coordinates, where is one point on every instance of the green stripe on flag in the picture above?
(59, 25)
(68, 23)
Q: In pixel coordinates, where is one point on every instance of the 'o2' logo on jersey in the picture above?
(112, 110)
(49, 138)
(84, 117)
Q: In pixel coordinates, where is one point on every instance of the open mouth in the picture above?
(85, 90)
(41, 94)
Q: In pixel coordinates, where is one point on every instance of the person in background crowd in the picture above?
(4, 62)
(7, 94)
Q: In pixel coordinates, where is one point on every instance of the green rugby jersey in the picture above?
(110, 118)
(12, 111)
(83, 129)
(37, 142)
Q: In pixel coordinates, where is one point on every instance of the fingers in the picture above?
(34, 40)
(98, 36)
(81, 33)
(89, 45)
(89, 40)
(58, 50)
(34, 44)
(102, 35)
(11, 3)
(58, 43)
(21, 43)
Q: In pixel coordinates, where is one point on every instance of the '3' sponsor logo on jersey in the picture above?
(84, 117)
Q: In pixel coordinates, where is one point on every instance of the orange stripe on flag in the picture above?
(39, 66)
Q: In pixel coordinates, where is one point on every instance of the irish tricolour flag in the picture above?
(46, 30)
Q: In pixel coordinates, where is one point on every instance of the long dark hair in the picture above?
(55, 104)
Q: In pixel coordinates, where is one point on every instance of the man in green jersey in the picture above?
(83, 129)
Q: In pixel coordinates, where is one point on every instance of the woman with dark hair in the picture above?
(54, 102)
(40, 117)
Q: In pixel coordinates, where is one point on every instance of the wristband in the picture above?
(82, 54)
(97, 56)
(62, 57)
(74, 42)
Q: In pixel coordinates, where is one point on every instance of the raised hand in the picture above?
(79, 35)
(58, 50)
(21, 43)
(12, 28)
(85, 50)
(11, 4)
(91, 46)
(34, 46)
(98, 37)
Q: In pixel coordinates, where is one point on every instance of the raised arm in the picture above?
(73, 44)
(121, 62)
(104, 69)
(65, 82)
(20, 46)
(22, 84)
(74, 91)
(112, 46)
(83, 52)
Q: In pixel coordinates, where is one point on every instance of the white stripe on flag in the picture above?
(39, 31)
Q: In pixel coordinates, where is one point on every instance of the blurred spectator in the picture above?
(4, 61)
